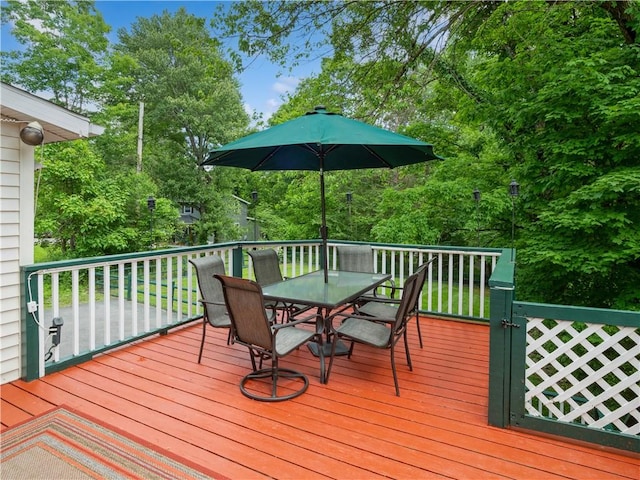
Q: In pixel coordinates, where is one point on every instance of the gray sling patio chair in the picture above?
(379, 332)
(266, 269)
(386, 307)
(211, 296)
(359, 258)
(267, 341)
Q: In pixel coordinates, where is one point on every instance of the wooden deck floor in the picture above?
(353, 428)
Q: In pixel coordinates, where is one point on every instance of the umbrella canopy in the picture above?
(321, 141)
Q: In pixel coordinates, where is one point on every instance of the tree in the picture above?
(67, 45)
(192, 104)
(552, 89)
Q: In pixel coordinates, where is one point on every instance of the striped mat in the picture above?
(64, 445)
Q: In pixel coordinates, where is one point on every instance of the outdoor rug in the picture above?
(63, 445)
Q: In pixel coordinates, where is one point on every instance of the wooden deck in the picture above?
(353, 428)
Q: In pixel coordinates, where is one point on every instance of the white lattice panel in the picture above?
(584, 373)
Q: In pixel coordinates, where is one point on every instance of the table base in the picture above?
(341, 349)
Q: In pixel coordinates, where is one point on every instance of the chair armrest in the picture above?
(212, 303)
(360, 317)
(317, 316)
(393, 288)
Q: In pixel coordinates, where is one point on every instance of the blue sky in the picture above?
(262, 83)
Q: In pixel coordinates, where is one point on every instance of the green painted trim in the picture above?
(622, 318)
(238, 261)
(502, 290)
(581, 432)
(71, 361)
(119, 258)
(30, 353)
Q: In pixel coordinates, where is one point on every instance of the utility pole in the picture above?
(140, 121)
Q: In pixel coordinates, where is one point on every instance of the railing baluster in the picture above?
(121, 298)
(460, 282)
(92, 307)
(146, 284)
(471, 290)
(75, 302)
(134, 298)
(439, 282)
(158, 298)
(106, 289)
(482, 280)
(450, 286)
(169, 281)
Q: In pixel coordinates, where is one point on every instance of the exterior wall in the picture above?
(16, 218)
(17, 206)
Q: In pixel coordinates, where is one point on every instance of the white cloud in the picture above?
(285, 85)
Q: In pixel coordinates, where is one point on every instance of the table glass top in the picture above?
(310, 289)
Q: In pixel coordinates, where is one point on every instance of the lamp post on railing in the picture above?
(514, 191)
(476, 198)
(254, 197)
(151, 205)
(349, 200)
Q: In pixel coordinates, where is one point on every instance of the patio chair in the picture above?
(379, 332)
(266, 340)
(386, 307)
(359, 258)
(211, 296)
(266, 269)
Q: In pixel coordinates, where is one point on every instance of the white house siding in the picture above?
(16, 196)
(19, 108)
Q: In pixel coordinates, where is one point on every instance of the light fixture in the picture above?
(476, 195)
(32, 134)
(514, 188)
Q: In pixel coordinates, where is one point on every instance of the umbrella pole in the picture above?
(323, 227)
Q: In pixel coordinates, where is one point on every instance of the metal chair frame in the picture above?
(386, 307)
(266, 269)
(265, 339)
(379, 332)
(211, 295)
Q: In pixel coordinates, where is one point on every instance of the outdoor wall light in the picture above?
(32, 134)
(514, 188)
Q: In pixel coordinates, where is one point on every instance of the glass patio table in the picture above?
(310, 289)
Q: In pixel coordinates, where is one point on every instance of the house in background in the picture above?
(238, 212)
(19, 110)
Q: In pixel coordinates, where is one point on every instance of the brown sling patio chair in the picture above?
(379, 332)
(266, 268)
(267, 340)
(359, 258)
(211, 296)
(386, 307)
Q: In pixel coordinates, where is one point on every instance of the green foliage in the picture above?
(67, 44)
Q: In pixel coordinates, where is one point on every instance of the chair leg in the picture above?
(418, 324)
(406, 349)
(393, 369)
(204, 332)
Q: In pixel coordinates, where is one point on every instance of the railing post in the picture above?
(31, 345)
(237, 262)
(502, 288)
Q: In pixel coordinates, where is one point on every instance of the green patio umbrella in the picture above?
(321, 141)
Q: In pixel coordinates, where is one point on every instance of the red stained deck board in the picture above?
(354, 427)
